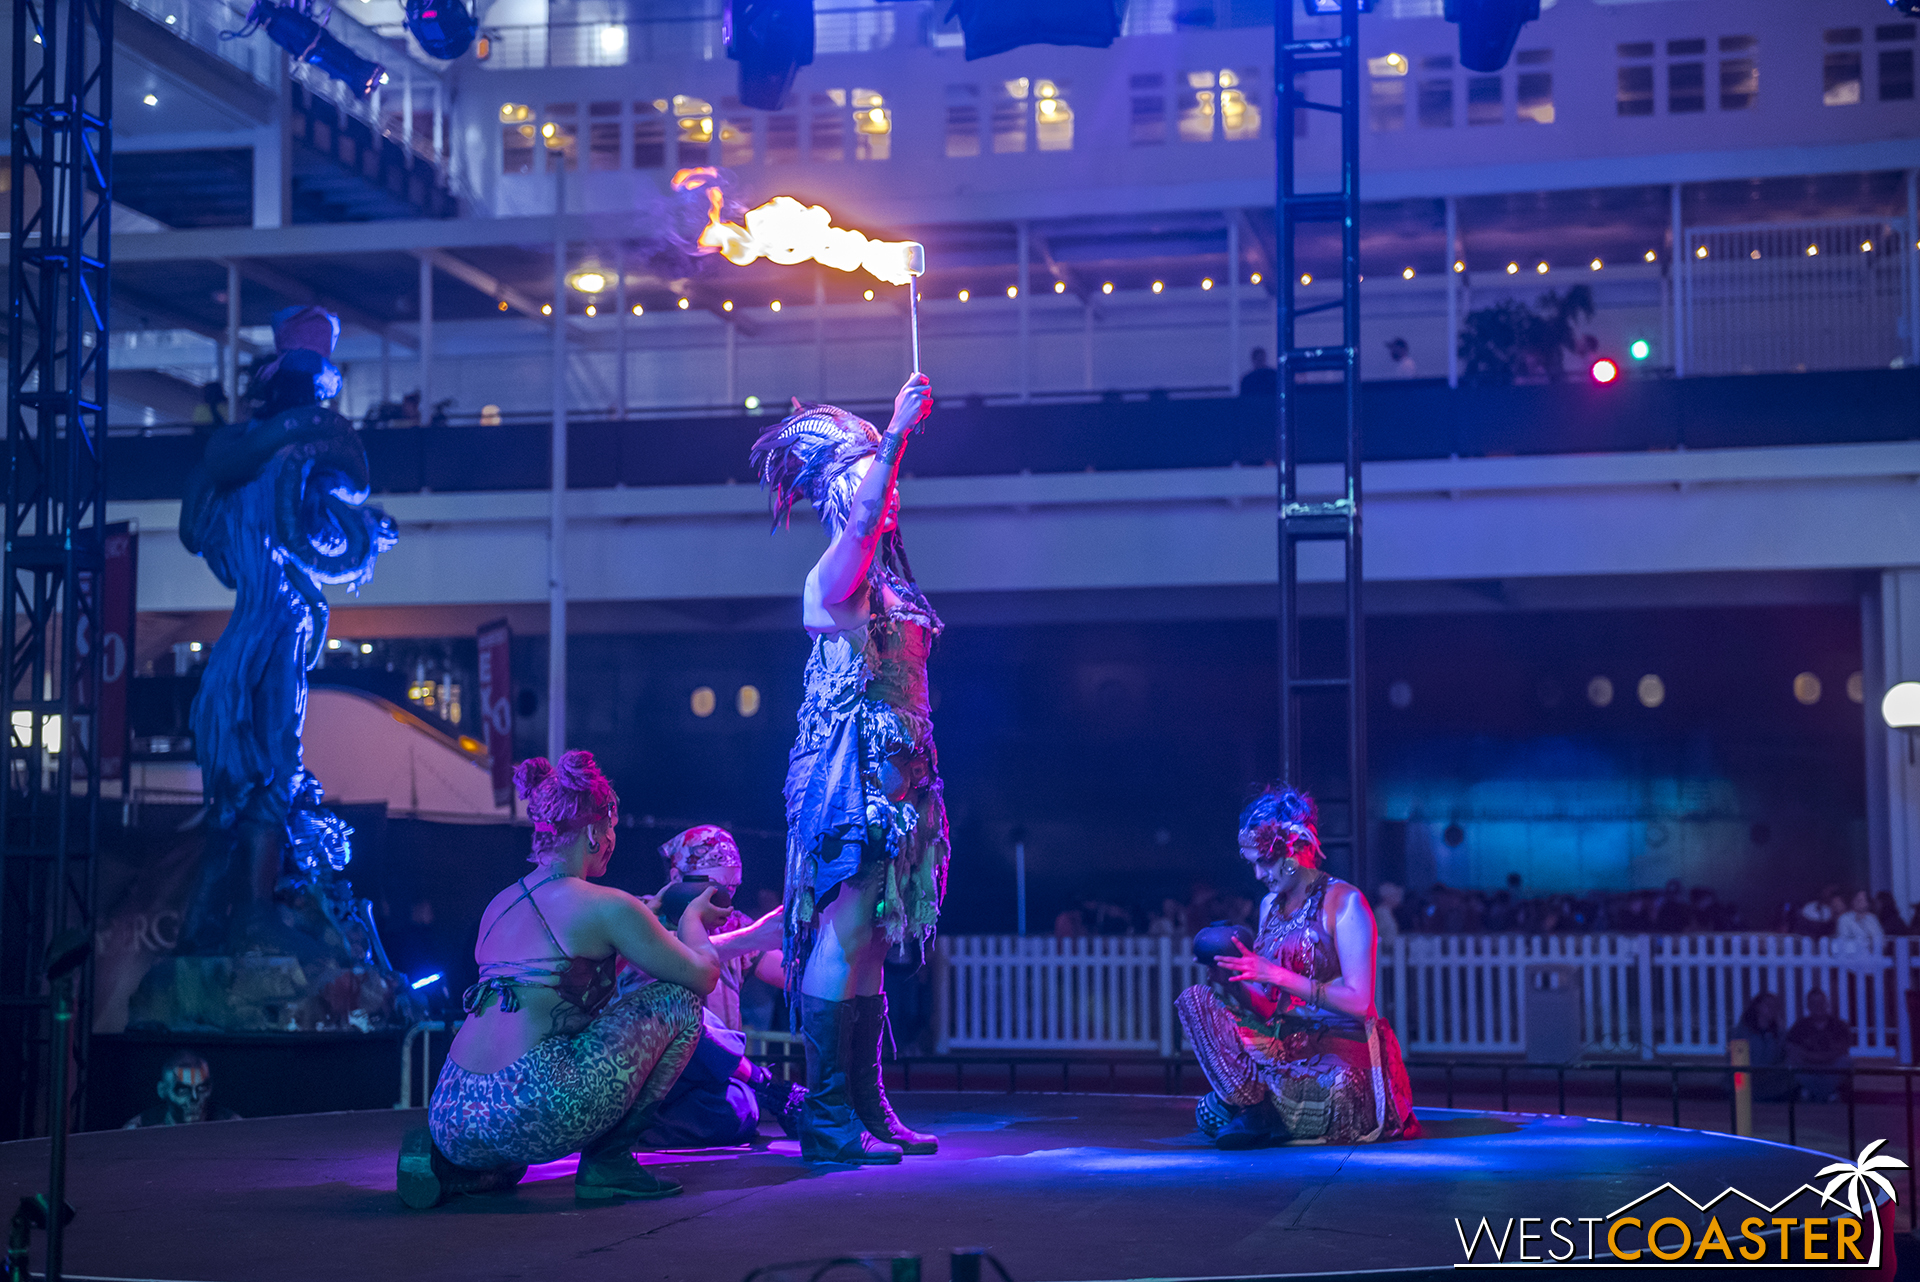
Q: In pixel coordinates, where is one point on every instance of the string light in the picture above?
(1595, 264)
(1866, 247)
(869, 296)
(1459, 265)
(1206, 282)
(965, 295)
(775, 304)
(1700, 252)
(1158, 286)
(1755, 255)
(546, 309)
(1813, 251)
(683, 304)
(1407, 274)
(1650, 255)
(1306, 278)
(1107, 288)
(1513, 269)
(1013, 291)
(503, 304)
(1059, 287)
(591, 310)
(1256, 278)
(638, 310)
(727, 306)
(1542, 269)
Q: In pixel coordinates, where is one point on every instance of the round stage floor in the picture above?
(1061, 1188)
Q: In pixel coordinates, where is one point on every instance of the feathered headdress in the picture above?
(809, 454)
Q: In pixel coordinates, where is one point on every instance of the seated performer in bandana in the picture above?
(719, 1097)
(866, 826)
(549, 1062)
(1287, 1033)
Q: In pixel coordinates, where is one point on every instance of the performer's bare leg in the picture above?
(849, 955)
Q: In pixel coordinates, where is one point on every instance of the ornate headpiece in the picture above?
(700, 849)
(809, 453)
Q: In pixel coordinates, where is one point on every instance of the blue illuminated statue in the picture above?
(277, 507)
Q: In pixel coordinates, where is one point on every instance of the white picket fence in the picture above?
(1642, 995)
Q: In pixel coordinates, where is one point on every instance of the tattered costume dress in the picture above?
(863, 784)
(1332, 1078)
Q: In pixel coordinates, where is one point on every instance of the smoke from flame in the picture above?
(785, 231)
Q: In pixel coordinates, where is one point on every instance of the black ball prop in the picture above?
(1216, 941)
(675, 898)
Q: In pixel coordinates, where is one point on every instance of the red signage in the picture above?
(496, 705)
(117, 612)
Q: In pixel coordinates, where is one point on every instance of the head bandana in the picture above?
(698, 850)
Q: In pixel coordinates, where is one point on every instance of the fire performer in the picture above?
(866, 826)
(1287, 1033)
(549, 1062)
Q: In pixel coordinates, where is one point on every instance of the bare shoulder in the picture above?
(1344, 899)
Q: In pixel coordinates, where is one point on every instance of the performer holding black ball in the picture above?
(1286, 1029)
(866, 826)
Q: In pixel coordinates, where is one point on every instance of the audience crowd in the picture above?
(1859, 920)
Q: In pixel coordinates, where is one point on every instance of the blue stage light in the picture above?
(444, 28)
(434, 978)
(294, 30)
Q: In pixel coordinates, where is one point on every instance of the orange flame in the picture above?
(785, 231)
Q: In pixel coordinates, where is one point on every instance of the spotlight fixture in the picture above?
(444, 28)
(1488, 29)
(293, 28)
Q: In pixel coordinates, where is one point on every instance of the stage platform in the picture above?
(1061, 1188)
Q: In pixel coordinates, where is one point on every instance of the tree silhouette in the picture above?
(1512, 343)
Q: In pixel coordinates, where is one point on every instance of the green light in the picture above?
(1640, 349)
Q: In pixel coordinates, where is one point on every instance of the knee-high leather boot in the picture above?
(830, 1130)
(426, 1177)
(869, 1090)
(608, 1171)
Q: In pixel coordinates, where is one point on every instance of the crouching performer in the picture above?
(1286, 1031)
(866, 826)
(549, 1062)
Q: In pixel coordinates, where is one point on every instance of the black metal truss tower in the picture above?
(56, 431)
(1326, 697)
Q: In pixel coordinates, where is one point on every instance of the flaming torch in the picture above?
(785, 231)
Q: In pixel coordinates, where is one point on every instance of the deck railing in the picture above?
(1640, 995)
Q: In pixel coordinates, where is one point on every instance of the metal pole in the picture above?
(1911, 251)
(386, 370)
(230, 375)
(620, 330)
(1025, 300)
(1233, 300)
(557, 500)
(406, 113)
(1453, 292)
(1676, 287)
(426, 339)
(1020, 885)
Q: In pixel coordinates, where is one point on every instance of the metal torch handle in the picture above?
(913, 319)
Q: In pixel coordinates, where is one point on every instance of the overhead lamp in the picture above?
(292, 28)
(444, 28)
(1488, 29)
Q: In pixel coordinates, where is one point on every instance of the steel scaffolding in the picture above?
(1313, 692)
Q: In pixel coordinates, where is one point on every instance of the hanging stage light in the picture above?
(444, 28)
(771, 40)
(1488, 29)
(293, 28)
(995, 26)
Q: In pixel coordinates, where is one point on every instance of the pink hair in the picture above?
(562, 799)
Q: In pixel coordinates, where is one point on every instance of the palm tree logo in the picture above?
(1862, 1176)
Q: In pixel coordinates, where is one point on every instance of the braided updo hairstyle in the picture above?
(1280, 813)
(562, 799)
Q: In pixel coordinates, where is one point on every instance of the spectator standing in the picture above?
(1262, 379)
(1858, 933)
(1402, 357)
(1888, 913)
(1817, 916)
(1386, 909)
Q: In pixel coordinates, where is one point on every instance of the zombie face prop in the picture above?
(187, 1091)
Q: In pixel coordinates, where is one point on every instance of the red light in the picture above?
(1604, 371)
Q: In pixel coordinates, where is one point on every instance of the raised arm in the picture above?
(842, 568)
(758, 937)
(688, 959)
